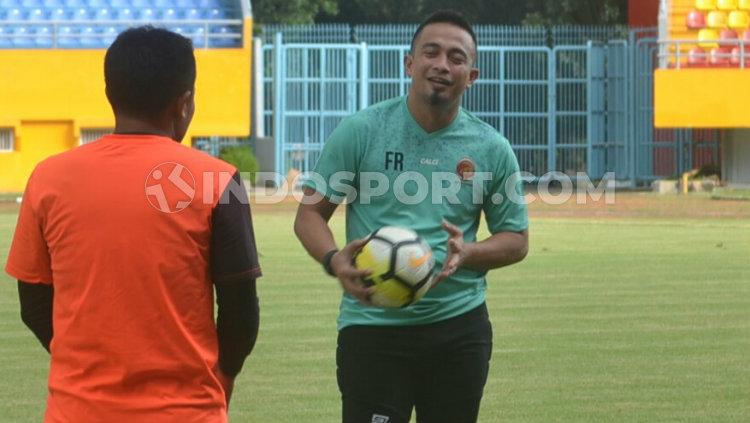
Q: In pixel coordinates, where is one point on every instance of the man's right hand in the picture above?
(342, 264)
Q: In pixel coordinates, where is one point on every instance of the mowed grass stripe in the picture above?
(629, 320)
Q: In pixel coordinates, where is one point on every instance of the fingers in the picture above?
(452, 229)
(355, 245)
(357, 290)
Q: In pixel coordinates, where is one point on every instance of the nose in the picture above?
(440, 63)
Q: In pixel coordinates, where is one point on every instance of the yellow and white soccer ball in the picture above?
(401, 263)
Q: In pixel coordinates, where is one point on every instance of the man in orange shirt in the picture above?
(118, 248)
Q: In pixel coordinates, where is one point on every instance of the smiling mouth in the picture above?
(440, 81)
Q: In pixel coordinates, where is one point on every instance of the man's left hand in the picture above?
(457, 252)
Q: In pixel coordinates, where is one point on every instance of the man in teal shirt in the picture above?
(424, 163)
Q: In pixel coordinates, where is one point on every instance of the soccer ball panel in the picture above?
(375, 256)
(395, 234)
(399, 261)
(413, 263)
(391, 294)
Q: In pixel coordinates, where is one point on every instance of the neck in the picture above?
(431, 117)
(129, 125)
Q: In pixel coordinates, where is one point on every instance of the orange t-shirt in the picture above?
(122, 229)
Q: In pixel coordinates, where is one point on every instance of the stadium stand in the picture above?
(707, 29)
(89, 23)
(52, 51)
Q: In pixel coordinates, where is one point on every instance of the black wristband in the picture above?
(327, 262)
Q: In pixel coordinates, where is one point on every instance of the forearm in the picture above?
(311, 228)
(36, 310)
(500, 249)
(237, 322)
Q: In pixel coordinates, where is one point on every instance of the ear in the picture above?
(408, 62)
(183, 104)
(473, 75)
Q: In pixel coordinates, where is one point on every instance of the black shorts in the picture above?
(438, 369)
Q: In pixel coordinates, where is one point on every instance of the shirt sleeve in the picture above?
(335, 174)
(29, 258)
(504, 205)
(234, 256)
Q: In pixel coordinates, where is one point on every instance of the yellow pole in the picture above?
(685, 182)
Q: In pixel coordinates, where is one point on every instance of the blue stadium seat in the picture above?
(14, 14)
(103, 14)
(4, 40)
(52, 4)
(67, 37)
(43, 37)
(118, 4)
(89, 37)
(141, 4)
(221, 39)
(80, 14)
(198, 35)
(57, 14)
(31, 4)
(109, 34)
(168, 15)
(208, 4)
(216, 13)
(125, 15)
(164, 4)
(147, 14)
(96, 4)
(9, 4)
(74, 4)
(192, 14)
(185, 4)
(22, 37)
(36, 15)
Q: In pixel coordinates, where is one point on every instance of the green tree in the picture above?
(507, 12)
(292, 11)
(502, 12)
(576, 12)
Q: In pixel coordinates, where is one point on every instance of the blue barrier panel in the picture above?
(580, 108)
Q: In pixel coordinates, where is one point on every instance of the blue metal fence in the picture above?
(398, 34)
(575, 108)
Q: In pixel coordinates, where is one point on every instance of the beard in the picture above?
(435, 98)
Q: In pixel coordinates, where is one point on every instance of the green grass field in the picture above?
(638, 312)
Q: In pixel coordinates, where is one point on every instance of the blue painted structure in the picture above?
(567, 108)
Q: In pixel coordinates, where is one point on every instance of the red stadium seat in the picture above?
(735, 58)
(728, 34)
(697, 57)
(696, 20)
(719, 56)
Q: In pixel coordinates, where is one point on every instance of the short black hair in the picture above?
(448, 16)
(147, 68)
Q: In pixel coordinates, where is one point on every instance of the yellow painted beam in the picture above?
(701, 98)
